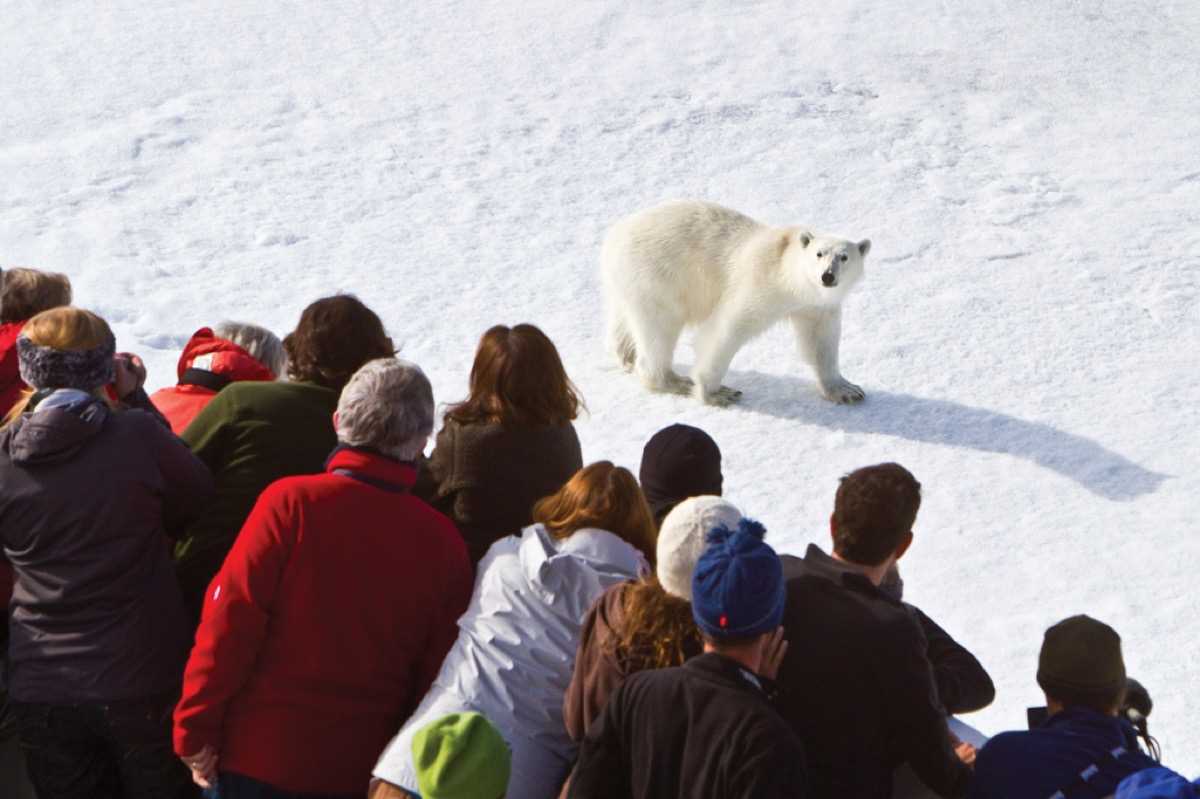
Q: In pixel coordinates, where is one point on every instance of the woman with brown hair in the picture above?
(255, 432)
(512, 659)
(509, 443)
(98, 632)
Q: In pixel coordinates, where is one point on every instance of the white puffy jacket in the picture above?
(516, 649)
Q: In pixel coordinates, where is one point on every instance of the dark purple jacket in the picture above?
(85, 497)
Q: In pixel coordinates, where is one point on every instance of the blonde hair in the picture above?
(603, 496)
(26, 292)
(63, 328)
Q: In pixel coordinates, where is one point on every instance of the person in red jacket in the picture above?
(213, 359)
(332, 613)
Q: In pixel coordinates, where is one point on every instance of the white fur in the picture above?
(697, 263)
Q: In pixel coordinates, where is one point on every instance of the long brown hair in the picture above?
(518, 380)
(64, 328)
(657, 630)
(603, 496)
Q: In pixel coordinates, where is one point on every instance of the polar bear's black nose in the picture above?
(828, 279)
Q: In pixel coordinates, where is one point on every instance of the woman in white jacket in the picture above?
(516, 642)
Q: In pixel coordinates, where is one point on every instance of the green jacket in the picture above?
(249, 436)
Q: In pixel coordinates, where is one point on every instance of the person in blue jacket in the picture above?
(1084, 748)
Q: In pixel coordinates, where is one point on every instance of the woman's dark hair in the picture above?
(517, 380)
(658, 630)
(873, 511)
(335, 336)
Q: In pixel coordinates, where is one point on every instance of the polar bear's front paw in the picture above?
(842, 391)
(721, 397)
(726, 395)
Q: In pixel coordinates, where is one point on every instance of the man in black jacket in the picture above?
(705, 729)
(858, 686)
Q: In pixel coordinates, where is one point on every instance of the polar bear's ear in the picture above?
(864, 247)
(802, 237)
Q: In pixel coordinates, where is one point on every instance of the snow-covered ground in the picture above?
(1028, 172)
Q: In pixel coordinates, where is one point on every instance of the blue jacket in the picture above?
(1054, 758)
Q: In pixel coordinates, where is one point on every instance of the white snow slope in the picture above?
(1028, 171)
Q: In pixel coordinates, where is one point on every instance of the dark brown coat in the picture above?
(487, 478)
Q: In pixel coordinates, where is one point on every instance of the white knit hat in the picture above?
(681, 540)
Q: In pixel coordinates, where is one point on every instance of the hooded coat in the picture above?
(88, 496)
(207, 365)
(513, 656)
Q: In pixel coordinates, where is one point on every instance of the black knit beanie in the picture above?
(679, 462)
(1081, 656)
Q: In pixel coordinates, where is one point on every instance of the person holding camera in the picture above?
(1084, 747)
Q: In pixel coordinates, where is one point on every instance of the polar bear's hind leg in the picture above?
(655, 334)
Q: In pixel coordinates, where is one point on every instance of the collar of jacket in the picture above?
(824, 565)
(372, 465)
(727, 670)
(1079, 718)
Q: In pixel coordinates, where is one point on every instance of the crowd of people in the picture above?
(255, 584)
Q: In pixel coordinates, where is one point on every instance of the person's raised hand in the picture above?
(130, 374)
(773, 654)
(966, 753)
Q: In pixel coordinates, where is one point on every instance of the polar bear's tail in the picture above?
(620, 342)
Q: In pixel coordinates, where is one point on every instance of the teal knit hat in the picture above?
(461, 756)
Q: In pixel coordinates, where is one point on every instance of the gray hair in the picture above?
(263, 345)
(388, 406)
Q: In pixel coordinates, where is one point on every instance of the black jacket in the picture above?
(963, 685)
(858, 687)
(86, 495)
(704, 730)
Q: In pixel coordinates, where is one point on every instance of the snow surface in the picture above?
(1028, 172)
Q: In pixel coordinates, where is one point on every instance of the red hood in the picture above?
(221, 356)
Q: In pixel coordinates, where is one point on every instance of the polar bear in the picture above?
(697, 263)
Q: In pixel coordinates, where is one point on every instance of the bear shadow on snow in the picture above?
(1089, 464)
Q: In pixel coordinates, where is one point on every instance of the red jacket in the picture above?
(326, 625)
(11, 387)
(207, 363)
(11, 384)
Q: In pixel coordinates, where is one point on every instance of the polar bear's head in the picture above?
(828, 266)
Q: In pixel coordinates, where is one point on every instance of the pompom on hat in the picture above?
(738, 588)
(461, 756)
(682, 539)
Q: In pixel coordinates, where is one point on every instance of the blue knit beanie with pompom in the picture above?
(737, 588)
